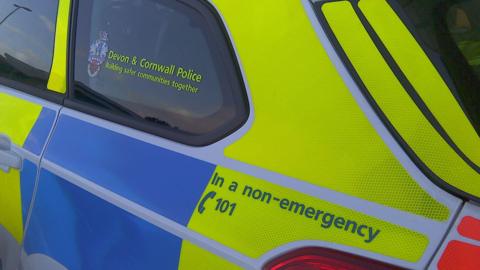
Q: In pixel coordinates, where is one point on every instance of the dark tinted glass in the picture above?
(160, 62)
(27, 34)
(450, 31)
(463, 21)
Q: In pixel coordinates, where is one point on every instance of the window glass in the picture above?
(450, 30)
(27, 30)
(463, 20)
(159, 62)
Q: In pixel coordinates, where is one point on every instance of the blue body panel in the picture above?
(35, 142)
(39, 134)
(163, 181)
(82, 231)
(27, 183)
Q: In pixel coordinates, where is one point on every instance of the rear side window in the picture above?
(27, 34)
(450, 31)
(162, 66)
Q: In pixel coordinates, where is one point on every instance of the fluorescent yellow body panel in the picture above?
(193, 257)
(267, 216)
(17, 118)
(11, 204)
(394, 101)
(422, 75)
(58, 75)
(307, 124)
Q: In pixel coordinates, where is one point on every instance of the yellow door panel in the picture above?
(245, 210)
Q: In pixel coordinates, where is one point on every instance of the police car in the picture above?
(251, 134)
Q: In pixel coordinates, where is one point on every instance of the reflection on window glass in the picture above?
(451, 31)
(155, 61)
(464, 26)
(27, 30)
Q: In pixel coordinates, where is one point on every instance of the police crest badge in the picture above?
(97, 54)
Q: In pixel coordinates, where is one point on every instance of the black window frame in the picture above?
(40, 92)
(219, 33)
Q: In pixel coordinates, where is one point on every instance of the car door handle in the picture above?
(8, 158)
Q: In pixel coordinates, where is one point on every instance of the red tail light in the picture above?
(325, 259)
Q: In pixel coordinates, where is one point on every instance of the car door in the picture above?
(29, 96)
(110, 195)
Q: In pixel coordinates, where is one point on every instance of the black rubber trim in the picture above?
(213, 19)
(402, 78)
(349, 66)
